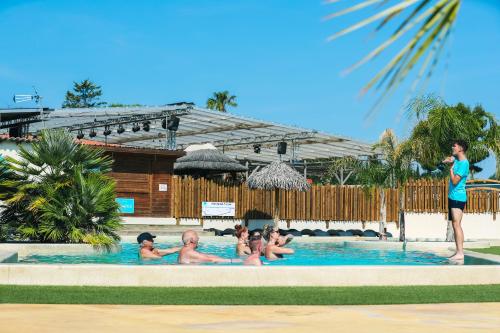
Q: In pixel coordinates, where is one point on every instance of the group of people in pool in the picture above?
(250, 247)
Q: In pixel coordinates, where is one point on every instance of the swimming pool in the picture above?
(306, 254)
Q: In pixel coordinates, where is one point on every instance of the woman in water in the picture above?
(273, 250)
(242, 248)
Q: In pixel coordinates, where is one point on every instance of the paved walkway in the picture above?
(448, 318)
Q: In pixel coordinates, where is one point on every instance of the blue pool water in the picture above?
(308, 254)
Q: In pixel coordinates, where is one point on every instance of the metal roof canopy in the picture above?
(21, 116)
(233, 134)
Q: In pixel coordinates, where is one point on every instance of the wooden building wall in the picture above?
(139, 176)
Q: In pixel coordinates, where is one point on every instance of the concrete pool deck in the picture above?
(219, 276)
(429, 318)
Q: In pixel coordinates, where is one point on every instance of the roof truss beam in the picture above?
(214, 129)
(264, 139)
(180, 111)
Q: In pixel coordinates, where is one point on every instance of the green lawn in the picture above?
(249, 296)
(488, 250)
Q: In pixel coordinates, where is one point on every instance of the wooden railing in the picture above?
(325, 202)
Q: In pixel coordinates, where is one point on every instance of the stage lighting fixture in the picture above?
(282, 147)
(173, 123)
(120, 129)
(107, 131)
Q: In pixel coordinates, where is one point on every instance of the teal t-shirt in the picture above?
(457, 192)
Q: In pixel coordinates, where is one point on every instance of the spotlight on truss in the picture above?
(107, 131)
(120, 129)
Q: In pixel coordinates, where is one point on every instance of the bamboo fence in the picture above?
(325, 202)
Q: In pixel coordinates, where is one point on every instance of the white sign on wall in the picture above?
(163, 187)
(218, 208)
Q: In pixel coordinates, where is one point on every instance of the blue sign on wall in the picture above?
(126, 205)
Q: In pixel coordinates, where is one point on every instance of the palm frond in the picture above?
(220, 100)
(435, 17)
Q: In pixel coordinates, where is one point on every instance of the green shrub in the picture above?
(61, 193)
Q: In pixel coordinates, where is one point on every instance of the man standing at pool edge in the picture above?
(457, 195)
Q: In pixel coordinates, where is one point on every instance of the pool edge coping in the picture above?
(244, 276)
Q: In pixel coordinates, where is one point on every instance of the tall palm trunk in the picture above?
(402, 231)
(383, 212)
(497, 169)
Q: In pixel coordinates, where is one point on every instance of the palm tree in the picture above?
(85, 212)
(434, 18)
(438, 124)
(220, 100)
(389, 171)
(61, 193)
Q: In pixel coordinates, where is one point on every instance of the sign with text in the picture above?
(125, 205)
(218, 208)
(162, 187)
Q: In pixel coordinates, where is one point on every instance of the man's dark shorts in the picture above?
(454, 204)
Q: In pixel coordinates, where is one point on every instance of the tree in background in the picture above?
(392, 167)
(220, 100)
(85, 94)
(434, 19)
(342, 171)
(61, 193)
(438, 124)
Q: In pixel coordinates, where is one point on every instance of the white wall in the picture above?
(148, 220)
(418, 226)
(433, 226)
(221, 224)
(11, 149)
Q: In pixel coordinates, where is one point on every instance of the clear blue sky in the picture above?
(271, 54)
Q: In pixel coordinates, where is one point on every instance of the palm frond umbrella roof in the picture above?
(207, 160)
(278, 175)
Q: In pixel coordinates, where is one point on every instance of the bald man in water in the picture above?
(189, 255)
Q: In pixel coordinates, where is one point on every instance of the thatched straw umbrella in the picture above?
(277, 176)
(205, 161)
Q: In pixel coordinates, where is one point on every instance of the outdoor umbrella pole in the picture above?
(276, 207)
